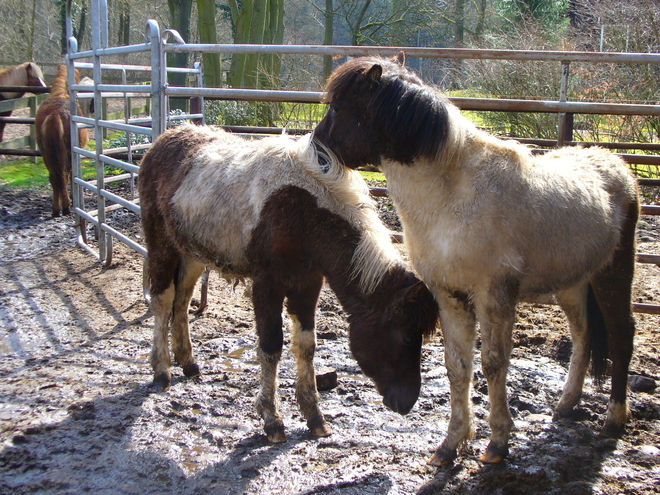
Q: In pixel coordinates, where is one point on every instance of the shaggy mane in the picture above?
(412, 116)
(375, 254)
(60, 85)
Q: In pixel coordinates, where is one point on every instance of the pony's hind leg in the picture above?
(268, 300)
(458, 328)
(187, 275)
(160, 269)
(613, 291)
(301, 305)
(161, 305)
(574, 303)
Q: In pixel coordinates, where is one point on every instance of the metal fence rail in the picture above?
(158, 43)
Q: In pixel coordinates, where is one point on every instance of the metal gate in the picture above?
(157, 91)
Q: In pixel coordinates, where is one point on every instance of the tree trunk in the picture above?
(208, 34)
(180, 13)
(328, 37)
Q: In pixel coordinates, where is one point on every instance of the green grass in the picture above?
(375, 176)
(25, 174)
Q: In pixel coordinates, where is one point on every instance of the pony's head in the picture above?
(34, 75)
(380, 109)
(387, 340)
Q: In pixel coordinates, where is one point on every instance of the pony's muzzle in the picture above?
(401, 398)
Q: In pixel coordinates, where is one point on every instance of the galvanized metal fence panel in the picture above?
(158, 92)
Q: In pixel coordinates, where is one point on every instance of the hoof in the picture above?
(613, 430)
(277, 437)
(494, 454)
(275, 432)
(442, 457)
(161, 382)
(321, 431)
(191, 370)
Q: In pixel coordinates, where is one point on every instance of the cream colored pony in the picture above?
(488, 225)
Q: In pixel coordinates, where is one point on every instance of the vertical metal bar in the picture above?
(32, 103)
(103, 12)
(157, 80)
(76, 190)
(200, 83)
(563, 95)
(98, 130)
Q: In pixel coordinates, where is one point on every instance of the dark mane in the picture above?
(412, 116)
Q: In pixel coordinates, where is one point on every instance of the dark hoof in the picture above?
(613, 430)
(442, 457)
(319, 428)
(161, 382)
(275, 433)
(494, 454)
(191, 370)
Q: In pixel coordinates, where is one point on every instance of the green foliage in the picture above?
(548, 13)
(245, 113)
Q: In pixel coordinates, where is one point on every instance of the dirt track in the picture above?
(77, 415)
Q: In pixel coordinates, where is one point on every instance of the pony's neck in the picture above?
(60, 87)
(348, 281)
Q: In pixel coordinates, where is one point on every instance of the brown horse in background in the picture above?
(26, 74)
(54, 139)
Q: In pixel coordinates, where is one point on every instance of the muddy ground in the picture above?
(77, 414)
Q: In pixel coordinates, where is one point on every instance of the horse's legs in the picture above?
(574, 303)
(67, 179)
(496, 311)
(458, 328)
(161, 264)
(161, 305)
(186, 279)
(268, 299)
(2, 124)
(301, 305)
(612, 288)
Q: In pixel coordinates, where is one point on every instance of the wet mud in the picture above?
(77, 414)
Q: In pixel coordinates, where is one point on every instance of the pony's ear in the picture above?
(413, 292)
(400, 58)
(374, 74)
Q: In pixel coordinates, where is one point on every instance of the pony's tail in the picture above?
(597, 338)
(55, 153)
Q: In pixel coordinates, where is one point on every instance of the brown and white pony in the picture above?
(54, 139)
(286, 215)
(487, 225)
(25, 74)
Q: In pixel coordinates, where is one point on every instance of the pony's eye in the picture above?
(407, 339)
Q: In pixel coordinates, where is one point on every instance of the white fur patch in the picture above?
(246, 173)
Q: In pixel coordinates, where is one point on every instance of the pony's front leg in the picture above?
(187, 275)
(496, 311)
(268, 302)
(301, 305)
(458, 328)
